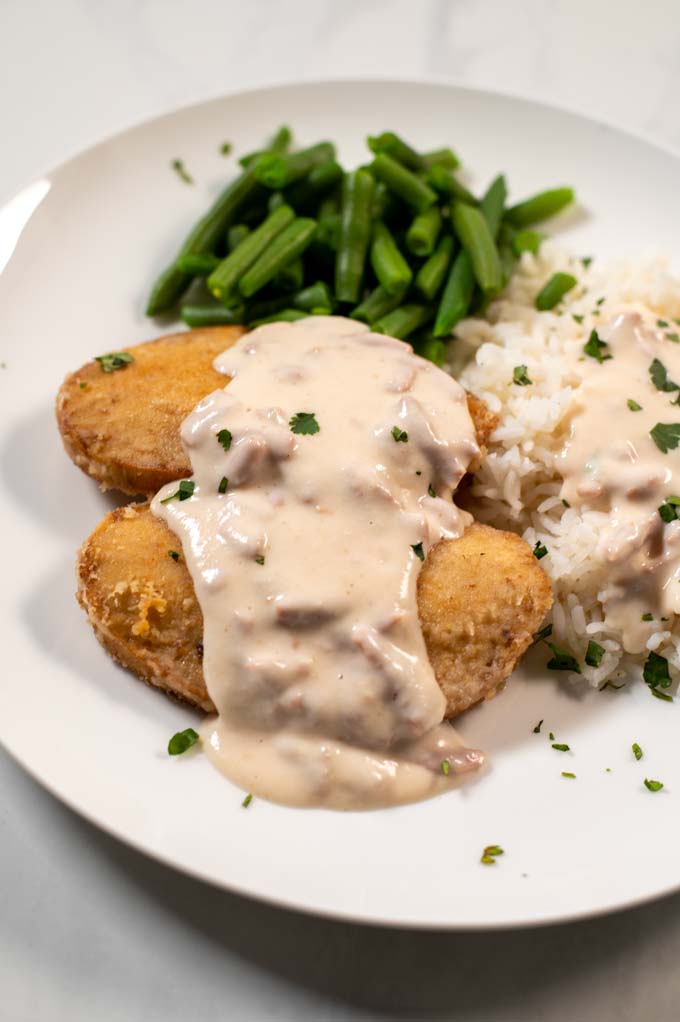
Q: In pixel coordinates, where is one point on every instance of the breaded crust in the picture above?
(480, 599)
(122, 428)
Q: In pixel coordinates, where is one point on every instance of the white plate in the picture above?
(81, 248)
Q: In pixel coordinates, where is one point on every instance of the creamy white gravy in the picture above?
(610, 462)
(305, 568)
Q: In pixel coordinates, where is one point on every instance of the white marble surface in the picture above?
(89, 929)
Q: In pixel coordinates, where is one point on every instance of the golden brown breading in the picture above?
(480, 599)
(122, 428)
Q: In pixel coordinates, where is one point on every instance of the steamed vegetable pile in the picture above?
(400, 243)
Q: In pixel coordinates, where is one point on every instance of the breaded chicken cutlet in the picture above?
(480, 598)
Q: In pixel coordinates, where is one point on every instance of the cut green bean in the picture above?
(198, 265)
(211, 315)
(235, 235)
(316, 296)
(393, 272)
(328, 230)
(279, 144)
(376, 305)
(539, 207)
(277, 170)
(432, 349)
(355, 233)
(432, 273)
(291, 277)
(552, 293)
(404, 321)
(422, 235)
(284, 316)
(493, 204)
(473, 230)
(390, 143)
(442, 158)
(456, 297)
(321, 179)
(403, 182)
(444, 183)
(172, 283)
(329, 206)
(286, 247)
(527, 241)
(222, 282)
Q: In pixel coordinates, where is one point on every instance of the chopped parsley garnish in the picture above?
(562, 660)
(567, 773)
(666, 436)
(661, 695)
(114, 360)
(610, 684)
(446, 766)
(181, 171)
(543, 634)
(662, 323)
(653, 785)
(247, 800)
(540, 550)
(637, 751)
(304, 423)
(594, 654)
(655, 672)
(659, 377)
(259, 559)
(577, 319)
(593, 348)
(182, 741)
(586, 260)
(183, 491)
(431, 492)
(173, 554)
(560, 746)
(226, 148)
(82, 385)
(601, 301)
(633, 405)
(224, 482)
(520, 376)
(675, 338)
(537, 729)
(566, 502)
(418, 550)
(490, 854)
(224, 438)
(400, 436)
(647, 617)
(551, 736)
(668, 511)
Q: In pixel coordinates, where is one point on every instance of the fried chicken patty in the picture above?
(122, 428)
(480, 600)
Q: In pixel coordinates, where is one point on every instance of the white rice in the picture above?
(518, 487)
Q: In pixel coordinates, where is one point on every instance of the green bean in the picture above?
(395, 147)
(441, 157)
(527, 241)
(291, 277)
(471, 227)
(457, 295)
(432, 349)
(224, 279)
(355, 233)
(539, 207)
(403, 182)
(276, 199)
(320, 180)
(211, 315)
(432, 273)
(198, 265)
(329, 206)
(554, 291)
(404, 320)
(172, 283)
(393, 272)
(377, 305)
(444, 183)
(508, 258)
(235, 235)
(316, 296)
(276, 170)
(328, 230)
(284, 316)
(493, 204)
(279, 144)
(421, 237)
(286, 246)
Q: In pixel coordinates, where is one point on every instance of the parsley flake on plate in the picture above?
(567, 773)
(633, 405)
(540, 550)
(400, 436)
(594, 348)
(490, 854)
(182, 172)
(445, 767)
(418, 550)
(224, 438)
(259, 559)
(562, 660)
(182, 741)
(561, 747)
(113, 361)
(647, 617)
(224, 482)
(666, 436)
(183, 491)
(520, 376)
(431, 492)
(226, 148)
(247, 800)
(594, 654)
(637, 751)
(304, 423)
(653, 785)
(537, 729)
